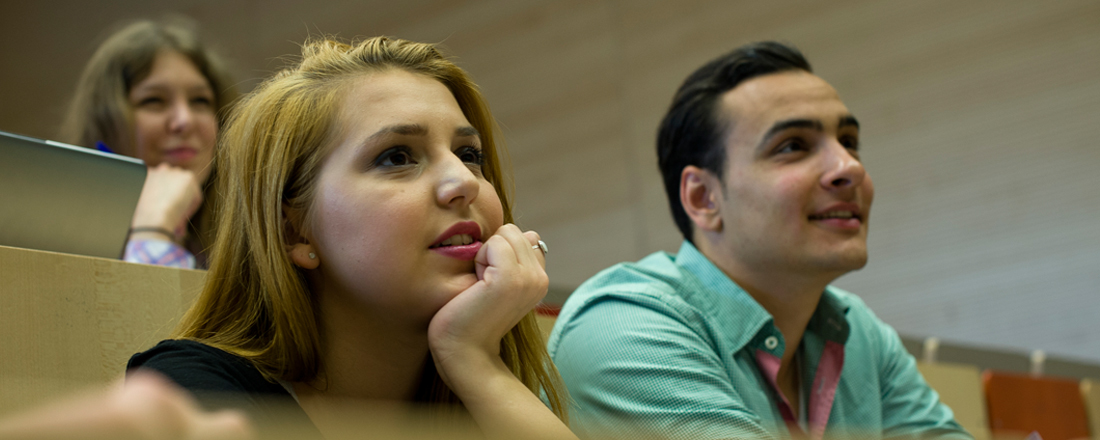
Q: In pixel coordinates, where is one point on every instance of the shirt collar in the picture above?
(738, 316)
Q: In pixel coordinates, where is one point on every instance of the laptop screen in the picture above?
(63, 198)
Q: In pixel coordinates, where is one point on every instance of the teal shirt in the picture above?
(665, 347)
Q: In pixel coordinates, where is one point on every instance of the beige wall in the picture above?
(980, 123)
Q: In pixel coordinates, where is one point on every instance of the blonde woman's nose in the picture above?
(456, 184)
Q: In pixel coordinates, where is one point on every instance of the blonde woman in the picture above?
(153, 91)
(364, 250)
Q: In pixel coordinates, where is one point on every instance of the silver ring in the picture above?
(542, 247)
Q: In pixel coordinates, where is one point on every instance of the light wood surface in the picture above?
(1090, 392)
(960, 388)
(70, 322)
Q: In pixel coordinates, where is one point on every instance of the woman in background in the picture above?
(364, 251)
(153, 92)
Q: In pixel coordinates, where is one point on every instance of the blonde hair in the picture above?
(256, 303)
(100, 109)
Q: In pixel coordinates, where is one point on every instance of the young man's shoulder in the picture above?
(652, 282)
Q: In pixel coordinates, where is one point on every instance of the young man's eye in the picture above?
(395, 157)
(471, 155)
(850, 143)
(202, 100)
(794, 145)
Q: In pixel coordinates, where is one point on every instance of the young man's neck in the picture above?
(790, 296)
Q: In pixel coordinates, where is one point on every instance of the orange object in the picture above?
(548, 309)
(1020, 404)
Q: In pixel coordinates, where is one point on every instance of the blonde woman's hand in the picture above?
(168, 199)
(464, 337)
(511, 281)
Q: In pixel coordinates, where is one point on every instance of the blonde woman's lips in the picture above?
(461, 241)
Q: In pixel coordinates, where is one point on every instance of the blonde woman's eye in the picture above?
(395, 157)
(471, 155)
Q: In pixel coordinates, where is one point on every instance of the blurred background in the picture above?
(980, 127)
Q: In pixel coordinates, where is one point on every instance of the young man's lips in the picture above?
(840, 216)
(841, 223)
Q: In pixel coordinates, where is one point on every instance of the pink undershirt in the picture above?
(821, 394)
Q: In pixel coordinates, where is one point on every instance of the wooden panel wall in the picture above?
(70, 322)
(980, 120)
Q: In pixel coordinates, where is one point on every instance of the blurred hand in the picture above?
(146, 406)
(511, 281)
(168, 200)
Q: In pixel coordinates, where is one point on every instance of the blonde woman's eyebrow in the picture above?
(417, 130)
(467, 131)
(398, 129)
(401, 129)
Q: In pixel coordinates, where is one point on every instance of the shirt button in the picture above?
(771, 342)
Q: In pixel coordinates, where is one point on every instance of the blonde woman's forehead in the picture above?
(398, 98)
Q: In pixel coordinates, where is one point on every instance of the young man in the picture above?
(739, 333)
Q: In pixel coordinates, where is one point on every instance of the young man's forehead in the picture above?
(755, 105)
(781, 89)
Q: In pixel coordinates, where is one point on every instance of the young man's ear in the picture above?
(700, 195)
(298, 247)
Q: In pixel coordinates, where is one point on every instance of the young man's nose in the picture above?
(843, 170)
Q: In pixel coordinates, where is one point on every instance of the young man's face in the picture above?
(796, 196)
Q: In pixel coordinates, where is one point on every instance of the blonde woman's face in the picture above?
(401, 206)
(174, 116)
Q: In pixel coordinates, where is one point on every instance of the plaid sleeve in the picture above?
(158, 253)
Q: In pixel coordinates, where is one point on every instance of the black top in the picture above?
(222, 380)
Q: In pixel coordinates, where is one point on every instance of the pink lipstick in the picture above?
(460, 241)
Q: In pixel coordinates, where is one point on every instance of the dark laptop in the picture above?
(63, 198)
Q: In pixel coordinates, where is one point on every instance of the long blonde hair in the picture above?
(256, 303)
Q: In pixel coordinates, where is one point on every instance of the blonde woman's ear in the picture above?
(303, 255)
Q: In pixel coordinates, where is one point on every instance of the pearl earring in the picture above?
(312, 256)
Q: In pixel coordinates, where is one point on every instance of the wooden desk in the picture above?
(69, 322)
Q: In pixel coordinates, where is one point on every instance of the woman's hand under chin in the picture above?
(464, 337)
(467, 331)
(168, 200)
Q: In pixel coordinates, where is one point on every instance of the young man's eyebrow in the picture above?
(781, 126)
(848, 121)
